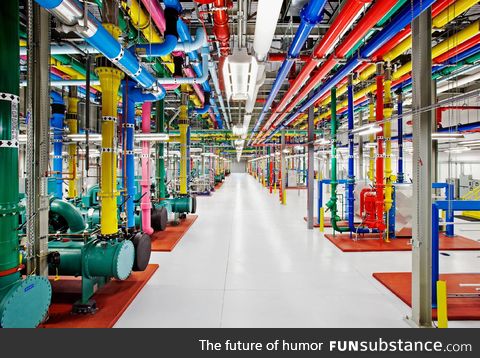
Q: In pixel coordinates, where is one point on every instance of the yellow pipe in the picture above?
(446, 16)
(110, 78)
(387, 133)
(444, 46)
(453, 11)
(142, 22)
(72, 125)
(74, 74)
(183, 127)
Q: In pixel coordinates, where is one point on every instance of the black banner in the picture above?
(246, 342)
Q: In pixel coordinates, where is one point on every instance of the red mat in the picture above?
(371, 242)
(460, 309)
(219, 185)
(112, 300)
(168, 239)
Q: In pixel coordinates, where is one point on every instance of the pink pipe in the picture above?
(170, 87)
(156, 12)
(146, 204)
(198, 88)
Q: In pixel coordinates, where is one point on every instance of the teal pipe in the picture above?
(70, 213)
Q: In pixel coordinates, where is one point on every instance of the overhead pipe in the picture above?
(437, 8)
(57, 124)
(310, 15)
(216, 86)
(373, 15)
(70, 13)
(403, 18)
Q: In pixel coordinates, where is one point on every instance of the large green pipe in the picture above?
(70, 213)
(23, 303)
(332, 203)
(96, 258)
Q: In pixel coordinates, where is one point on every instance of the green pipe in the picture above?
(332, 203)
(74, 64)
(23, 303)
(160, 119)
(96, 258)
(70, 213)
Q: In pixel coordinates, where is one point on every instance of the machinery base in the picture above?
(89, 307)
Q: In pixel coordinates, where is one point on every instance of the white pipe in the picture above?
(59, 83)
(459, 83)
(66, 49)
(268, 12)
(216, 85)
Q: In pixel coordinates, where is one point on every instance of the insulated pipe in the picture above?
(74, 219)
(189, 80)
(400, 174)
(141, 21)
(311, 14)
(72, 124)
(371, 155)
(156, 12)
(268, 12)
(146, 205)
(170, 45)
(216, 85)
(379, 169)
(374, 14)
(70, 13)
(404, 17)
(110, 78)
(56, 123)
(183, 125)
(387, 133)
(160, 164)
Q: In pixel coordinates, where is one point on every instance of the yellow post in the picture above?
(183, 124)
(110, 78)
(442, 313)
(284, 197)
(322, 220)
(72, 125)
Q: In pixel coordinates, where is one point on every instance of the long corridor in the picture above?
(250, 262)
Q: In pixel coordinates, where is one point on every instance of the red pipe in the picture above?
(281, 56)
(475, 40)
(437, 8)
(341, 22)
(220, 26)
(349, 11)
(379, 186)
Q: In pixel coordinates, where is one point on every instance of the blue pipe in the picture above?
(97, 36)
(401, 20)
(57, 123)
(158, 49)
(310, 15)
(463, 55)
(400, 174)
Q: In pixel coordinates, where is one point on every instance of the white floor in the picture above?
(250, 262)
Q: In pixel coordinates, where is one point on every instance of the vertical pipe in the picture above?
(9, 101)
(400, 174)
(128, 130)
(435, 252)
(379, 161)
(160, 167)
(183, 124)
(310, 167)
(56, 123)
(146, 204)
(351, 169)
(371, 151)
(72, 123)
(110, 78)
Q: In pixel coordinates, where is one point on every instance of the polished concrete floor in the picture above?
(250, 262)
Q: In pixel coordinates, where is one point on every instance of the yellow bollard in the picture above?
(275, 187)
(322, 220)
(442, 314)
(284, 197)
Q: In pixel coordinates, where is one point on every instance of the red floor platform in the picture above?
(168, 239)
(112, 300)
(372, 242)
(219, 185)
(460, 309)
